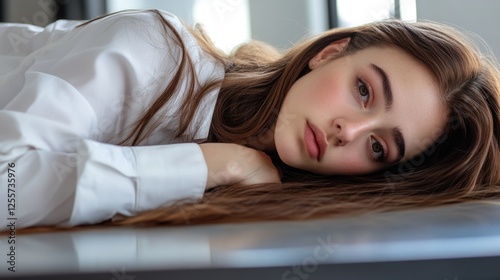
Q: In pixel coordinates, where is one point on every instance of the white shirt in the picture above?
(66, 91)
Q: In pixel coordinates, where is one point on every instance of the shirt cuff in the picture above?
(169, 173)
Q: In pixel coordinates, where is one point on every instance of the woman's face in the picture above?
(359, 113)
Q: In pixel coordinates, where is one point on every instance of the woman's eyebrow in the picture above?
(397, 135)
(400, 142)
(386, 86)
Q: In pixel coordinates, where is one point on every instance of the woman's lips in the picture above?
(315, 141)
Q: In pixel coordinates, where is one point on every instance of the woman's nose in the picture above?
(347, 131)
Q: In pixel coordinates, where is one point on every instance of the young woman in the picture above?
(137, 119)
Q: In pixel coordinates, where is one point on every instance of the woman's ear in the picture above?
(328, 52)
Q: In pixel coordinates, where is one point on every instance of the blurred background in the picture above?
(278, 22)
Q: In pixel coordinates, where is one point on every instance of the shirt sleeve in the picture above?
(65, 91)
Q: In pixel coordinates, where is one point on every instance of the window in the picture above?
(357, 12)
(227, 22)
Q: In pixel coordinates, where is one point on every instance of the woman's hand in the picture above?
(229, 164)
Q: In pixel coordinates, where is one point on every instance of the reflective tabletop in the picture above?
(449, 242)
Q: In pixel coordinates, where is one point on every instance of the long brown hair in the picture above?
(462, 165)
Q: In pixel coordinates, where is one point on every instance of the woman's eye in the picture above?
(364, 91)
(377, 150)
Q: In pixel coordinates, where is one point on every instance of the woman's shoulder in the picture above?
(150, 16)
(147, 29)
(151, 22)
